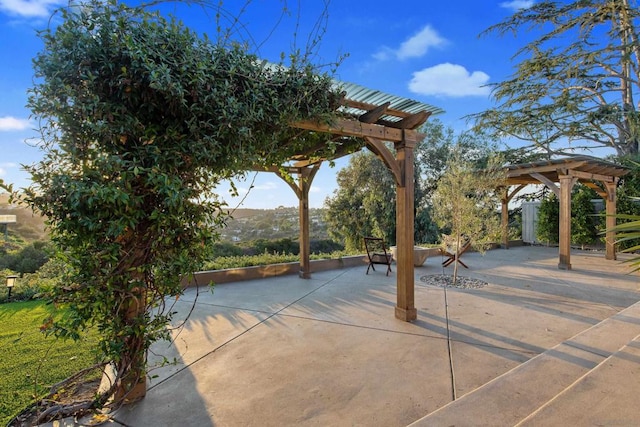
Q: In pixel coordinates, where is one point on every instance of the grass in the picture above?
(30, 362)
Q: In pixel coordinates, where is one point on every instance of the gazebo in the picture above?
(600, 175)
(369, 118)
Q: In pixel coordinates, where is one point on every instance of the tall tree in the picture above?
(140, 119)
(576, 81)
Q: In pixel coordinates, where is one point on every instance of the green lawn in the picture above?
(29, 362)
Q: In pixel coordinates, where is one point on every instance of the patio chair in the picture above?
(450, 252)
(377, 253)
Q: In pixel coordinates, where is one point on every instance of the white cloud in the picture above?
(5, 166)
(269, 185)
(30, 8)
(265, 186)
(516, 5)
(414, 47)
(450, 80)
(8, 123)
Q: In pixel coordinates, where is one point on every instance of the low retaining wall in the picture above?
(263, 271)
(273, 270)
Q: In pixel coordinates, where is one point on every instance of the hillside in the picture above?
(245, 225)
(252, 224)
(28, 227)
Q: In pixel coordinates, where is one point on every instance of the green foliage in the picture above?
(466, 201)
(628, 234)
(266, 258)
(547, 229)
(576, 81)
(363, 204)
(32, 362)
(584, 223)
(628, 196)
(277, 246)
(28, 259)
(140, 119)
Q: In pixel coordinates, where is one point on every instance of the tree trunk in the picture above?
(132, 382)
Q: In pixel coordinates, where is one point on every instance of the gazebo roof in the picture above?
(583, 167)
(359, 100)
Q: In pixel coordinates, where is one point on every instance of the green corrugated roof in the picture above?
(360, 93)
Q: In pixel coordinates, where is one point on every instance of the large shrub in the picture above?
(548, 225)
(585, 225)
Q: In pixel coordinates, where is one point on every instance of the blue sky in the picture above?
(429, 51)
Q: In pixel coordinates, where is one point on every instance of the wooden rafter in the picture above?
(412, 122)
(368, 107)
(374, 114)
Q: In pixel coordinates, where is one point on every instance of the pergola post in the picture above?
(505, 219)
(405, 306)
(610, 207)
(566, 184)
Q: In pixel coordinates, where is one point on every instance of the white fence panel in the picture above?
(530, 221)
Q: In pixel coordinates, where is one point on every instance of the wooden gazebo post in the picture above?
(301, 188)
(610, 207)
(405, 305)
(564, 238)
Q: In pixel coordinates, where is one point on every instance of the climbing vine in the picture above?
(140, 119)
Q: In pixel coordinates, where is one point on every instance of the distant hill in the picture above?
(28, 227)
(252, 224)
(247, 224)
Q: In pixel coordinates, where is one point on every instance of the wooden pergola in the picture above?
(370, 119)
(600, 175)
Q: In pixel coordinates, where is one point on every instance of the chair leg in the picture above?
(370, 266)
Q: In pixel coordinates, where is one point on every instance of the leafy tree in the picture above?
(548, 226)
(363, 204)
(466, 202)
(140, 118)
(576, 81)
(439, 145)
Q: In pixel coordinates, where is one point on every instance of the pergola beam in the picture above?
(346, 127)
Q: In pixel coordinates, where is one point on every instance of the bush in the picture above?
(584, 223)
(28, 259)
(548, 219)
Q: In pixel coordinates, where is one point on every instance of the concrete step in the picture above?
(606, 396)
(518, 394)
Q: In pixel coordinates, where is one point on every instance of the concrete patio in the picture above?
(537, 346)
